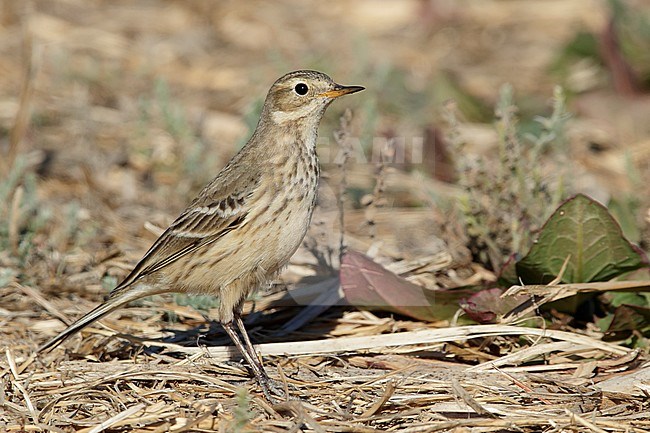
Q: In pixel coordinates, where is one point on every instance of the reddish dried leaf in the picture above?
(367, 284)
(627, 319)
(486, 305)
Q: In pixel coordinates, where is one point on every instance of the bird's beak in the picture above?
(341, 90)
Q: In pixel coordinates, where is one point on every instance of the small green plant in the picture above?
(199, 302)
(580, 243)
(109, 282)
(160, 114)
(504, 202)
(21, 215)
(242, 414)
(173, 117)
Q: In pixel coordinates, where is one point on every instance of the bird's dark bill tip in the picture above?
(342, 90)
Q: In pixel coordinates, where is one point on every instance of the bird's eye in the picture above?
(301, 89)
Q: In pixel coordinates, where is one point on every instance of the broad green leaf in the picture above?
(508, 273)
(625, 212)
(616, 299)
(582, 232)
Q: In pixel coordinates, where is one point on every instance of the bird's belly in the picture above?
(292, 225)
(249, 256)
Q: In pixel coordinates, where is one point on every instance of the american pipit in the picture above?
(244, 226)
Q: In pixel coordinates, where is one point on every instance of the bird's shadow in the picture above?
(263, 327)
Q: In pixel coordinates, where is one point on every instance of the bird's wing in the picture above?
(215, 212)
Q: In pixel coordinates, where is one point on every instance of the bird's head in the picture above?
(301, 94)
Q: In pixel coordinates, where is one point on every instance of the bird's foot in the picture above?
(272, 389)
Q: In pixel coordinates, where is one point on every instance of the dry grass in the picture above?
(414, 379)
(112, 114)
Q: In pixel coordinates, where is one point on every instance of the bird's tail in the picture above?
(100, 311)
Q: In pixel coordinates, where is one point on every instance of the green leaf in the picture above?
(508, 273)
(625, 212)
(616, 299)
(583, 232)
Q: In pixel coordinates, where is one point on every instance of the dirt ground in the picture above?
(113, 115)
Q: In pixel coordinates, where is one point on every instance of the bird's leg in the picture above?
(251, 358)
(247, 341)
(251, 350)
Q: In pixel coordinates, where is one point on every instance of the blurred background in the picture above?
(113, 114)
(478, 119)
